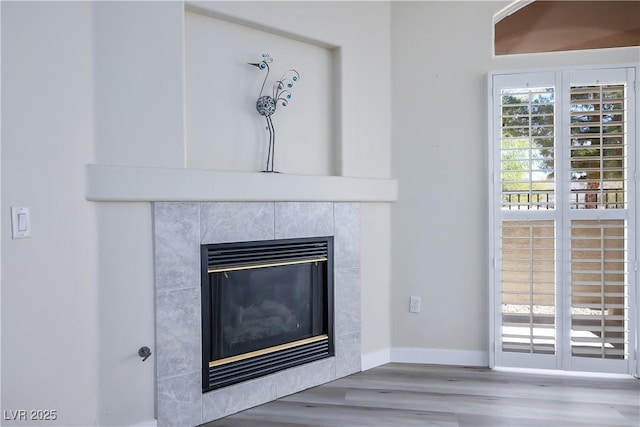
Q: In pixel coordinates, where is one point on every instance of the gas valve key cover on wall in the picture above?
(144, 352)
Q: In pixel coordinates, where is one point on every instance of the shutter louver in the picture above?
(528, 286)
(598, 288)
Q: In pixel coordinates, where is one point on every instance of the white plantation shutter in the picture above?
(599, 268)
(599, 315)
(528, 287)
(527, 216)
(563, 220)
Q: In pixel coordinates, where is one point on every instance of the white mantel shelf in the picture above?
(106, 183)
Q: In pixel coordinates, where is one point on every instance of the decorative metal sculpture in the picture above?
(266, 105)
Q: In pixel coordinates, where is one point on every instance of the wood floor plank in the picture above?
(488, 405)
(397, 395)
(346, 415)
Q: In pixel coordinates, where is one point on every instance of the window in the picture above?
(563, 220)
(549, 26)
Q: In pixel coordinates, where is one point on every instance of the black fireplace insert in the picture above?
(266, 306)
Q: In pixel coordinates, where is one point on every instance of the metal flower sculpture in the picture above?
(266, 104)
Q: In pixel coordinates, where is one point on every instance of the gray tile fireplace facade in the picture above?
(179, 230)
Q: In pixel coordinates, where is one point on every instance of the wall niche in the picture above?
(223, 129)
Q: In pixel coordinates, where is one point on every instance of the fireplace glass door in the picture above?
(267, 306)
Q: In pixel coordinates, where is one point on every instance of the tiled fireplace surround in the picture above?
(179, 230)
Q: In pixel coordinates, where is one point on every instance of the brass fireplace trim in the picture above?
(273, 264)
(264, 351)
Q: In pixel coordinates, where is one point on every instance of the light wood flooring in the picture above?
(397, 395)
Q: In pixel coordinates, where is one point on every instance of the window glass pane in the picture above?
(527, 148)
(598, 151)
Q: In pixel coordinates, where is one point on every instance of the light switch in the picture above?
(20, 223)
(23, 222)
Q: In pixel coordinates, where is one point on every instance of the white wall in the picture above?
(139, 93)
(139, 83)
(103, 82)
(49, 281)
(376, 278)
(442, 52)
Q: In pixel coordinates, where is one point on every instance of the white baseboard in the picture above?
(376, 358)
(148, 423)
(440, 357)
(424, 356)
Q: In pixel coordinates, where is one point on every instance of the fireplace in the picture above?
(266, 306)
(179, 231)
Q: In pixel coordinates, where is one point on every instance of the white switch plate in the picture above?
(20, 223)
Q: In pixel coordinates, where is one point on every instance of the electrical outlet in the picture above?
(414, 304)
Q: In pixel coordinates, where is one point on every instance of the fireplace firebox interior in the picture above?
(266, 306)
